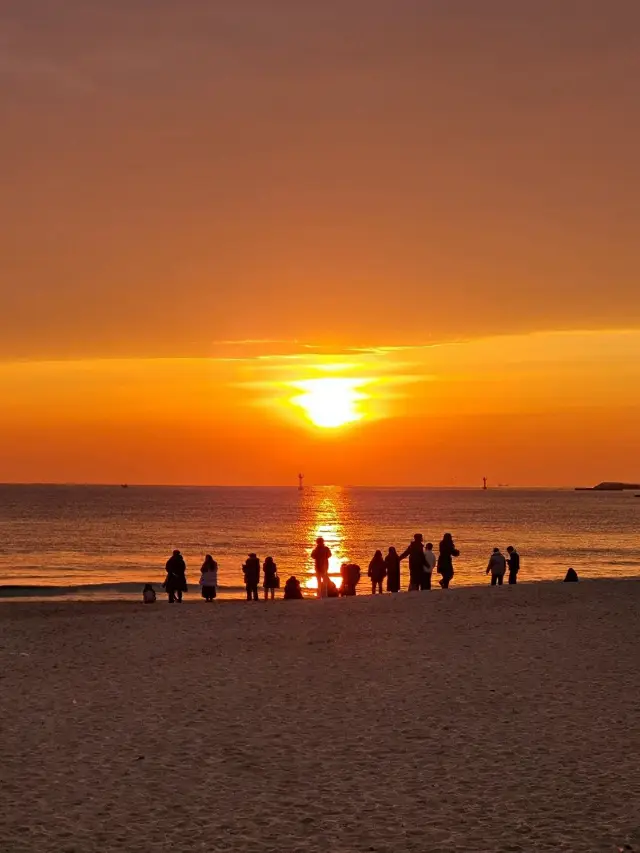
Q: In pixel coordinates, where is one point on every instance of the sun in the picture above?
(332, 402)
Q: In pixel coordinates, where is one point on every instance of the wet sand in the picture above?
(503, 719)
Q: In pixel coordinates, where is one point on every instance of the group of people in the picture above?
(175, 582)
(498, 563)
(251, 572)
(422, 563)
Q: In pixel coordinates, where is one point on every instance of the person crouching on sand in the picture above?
(271, 579)
(149, 594)
(497, 566)
(292, 589)
(209, 578)
(175, 582)
(350, 573)
(447, 550)
(377, 572)
(332, 589)
(251, 571)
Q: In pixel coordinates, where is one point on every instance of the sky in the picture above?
(379, 241)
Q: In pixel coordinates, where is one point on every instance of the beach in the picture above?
(475, 719)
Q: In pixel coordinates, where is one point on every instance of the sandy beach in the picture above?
(475, 720)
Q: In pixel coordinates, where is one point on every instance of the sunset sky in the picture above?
(378, 241)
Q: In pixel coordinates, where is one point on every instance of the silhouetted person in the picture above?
(320, 556)
(350, 573)
(430, 564)
(271, 580)
(447, 551)
(332, 589)
(175, 582)
(377, 572)
(148, 594)
(571, 576)
(392, 564)
(514, 564)
(251, 571)
(415, 553)
(209, 578)
(497, 566)
(292, 589)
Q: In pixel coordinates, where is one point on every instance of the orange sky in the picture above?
(435, 201)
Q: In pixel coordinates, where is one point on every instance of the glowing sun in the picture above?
(330, 402)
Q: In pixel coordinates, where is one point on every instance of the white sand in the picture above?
(476, 720)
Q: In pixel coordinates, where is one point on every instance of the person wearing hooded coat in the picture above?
(447, 551)
(175, 582)
(209, 578)
(271, 579)
(377, 572)
(392, 565)
(496, 567)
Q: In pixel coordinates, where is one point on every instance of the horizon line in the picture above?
(293, 486)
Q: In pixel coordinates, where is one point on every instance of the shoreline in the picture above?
(238, 595)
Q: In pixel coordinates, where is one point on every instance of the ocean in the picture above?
(101, 542)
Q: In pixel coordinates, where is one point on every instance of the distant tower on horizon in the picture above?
(484, 484)
(300, 479)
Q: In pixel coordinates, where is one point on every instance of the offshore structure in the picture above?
(484, 484)
(300, 479)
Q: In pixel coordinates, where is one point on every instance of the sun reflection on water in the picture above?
(329, 512)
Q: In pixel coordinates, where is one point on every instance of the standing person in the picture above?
(392, 565)
(514, 564)
(209, 578)
(430, 564)
(377, 572)
(447, 550)
(320, 556)
(497, 566)
(251, 571)
(415, 553)
(271, 579)
(175, 582)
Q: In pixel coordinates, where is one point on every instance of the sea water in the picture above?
(106, 541)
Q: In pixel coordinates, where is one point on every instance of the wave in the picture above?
(91, 589)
